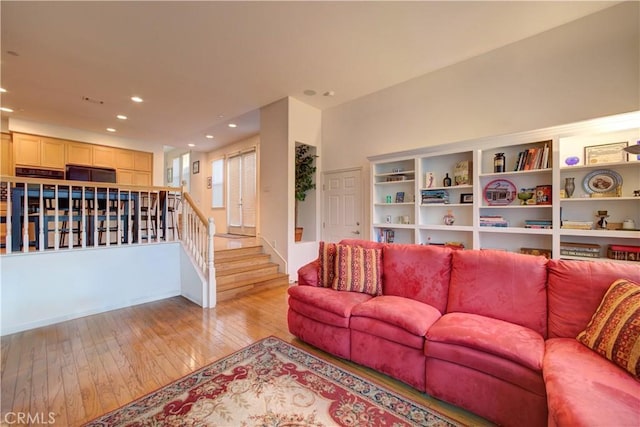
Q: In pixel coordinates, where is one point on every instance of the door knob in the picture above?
(356, 232)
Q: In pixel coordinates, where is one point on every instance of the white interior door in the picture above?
(342, 205)
(241, 190)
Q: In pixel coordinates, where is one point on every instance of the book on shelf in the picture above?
(434, 196)
(538, 223)
(577, 225)
(386, 235)
(533, 158)
(493, 221)
(587, 250)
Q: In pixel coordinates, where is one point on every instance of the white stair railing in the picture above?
(197, 238)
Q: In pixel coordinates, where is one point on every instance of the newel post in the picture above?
(211, 231)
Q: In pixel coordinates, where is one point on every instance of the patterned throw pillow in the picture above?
(614, 329)
(358, 270)
(326, 273)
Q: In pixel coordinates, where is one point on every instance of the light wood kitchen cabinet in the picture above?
(132, 177)
(104, 157)
(37, 151)
(6, 155)
(79, 153)
(142, 161)
(124, 159)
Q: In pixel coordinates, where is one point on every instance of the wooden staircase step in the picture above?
(241, 261)
(232, 253)
(236, 275)
(252, 286)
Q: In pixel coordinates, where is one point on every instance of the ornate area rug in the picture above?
(272, 383)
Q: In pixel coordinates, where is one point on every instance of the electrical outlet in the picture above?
(273, 244)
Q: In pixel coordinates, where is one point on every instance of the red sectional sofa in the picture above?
(490, 331)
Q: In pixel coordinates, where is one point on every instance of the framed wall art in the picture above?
(606, 153)
(196, 167)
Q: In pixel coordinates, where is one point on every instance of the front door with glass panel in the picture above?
(241, 191)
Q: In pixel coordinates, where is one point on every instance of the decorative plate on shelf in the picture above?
(601, 181)
(499, 192)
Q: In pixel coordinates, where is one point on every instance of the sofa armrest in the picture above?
(308, 274)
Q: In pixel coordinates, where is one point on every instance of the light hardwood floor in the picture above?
(83, 368)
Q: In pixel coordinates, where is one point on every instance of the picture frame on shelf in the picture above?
(605, 153)
(466, 198)
(196, 167)
(400, 197)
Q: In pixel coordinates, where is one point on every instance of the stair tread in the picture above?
(279, 279)
(246, 269)
(240, 258)
(254, 281)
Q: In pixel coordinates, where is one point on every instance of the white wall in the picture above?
(584, 69)
(46, 288)
(275, 177)
(305, 125)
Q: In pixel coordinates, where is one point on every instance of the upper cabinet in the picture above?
(133, 167)
(38, 151)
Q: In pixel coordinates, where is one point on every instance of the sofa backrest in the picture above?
(419, 272)
(576, 289)
(503, 285)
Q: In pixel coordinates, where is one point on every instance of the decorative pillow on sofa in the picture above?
(326, 256)
(614, 329)
(358, 270)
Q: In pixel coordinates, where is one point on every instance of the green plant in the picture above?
(305, 172)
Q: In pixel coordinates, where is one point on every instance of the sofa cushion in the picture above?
(308, 274)
(325, 304)
(404, 313)
(506, 340)
(326, 264)
(419, 272)
(576, 289)
(501, 285)
(614, 329)
(585, 389)
(358, 270)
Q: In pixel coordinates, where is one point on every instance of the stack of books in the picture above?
(577, 225)
(587, 250)
(493, 221)
(533, 158)
(538, 223)
(434, 196)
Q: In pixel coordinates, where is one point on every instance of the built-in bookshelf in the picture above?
(508, 192)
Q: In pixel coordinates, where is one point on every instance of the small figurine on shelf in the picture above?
(446, 181)
(602, 222)
(449, 218)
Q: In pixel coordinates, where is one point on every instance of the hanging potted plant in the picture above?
(305, 172)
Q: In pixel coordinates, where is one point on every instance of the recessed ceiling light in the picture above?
(329, 93)
(122, 117)
(111, 130)
(191, 145)
(233, 125)
(310, 92)
(2, 90)
(6, 110)
(136, 99)
(209, 136)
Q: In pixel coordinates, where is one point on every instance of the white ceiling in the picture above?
(200, 65)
